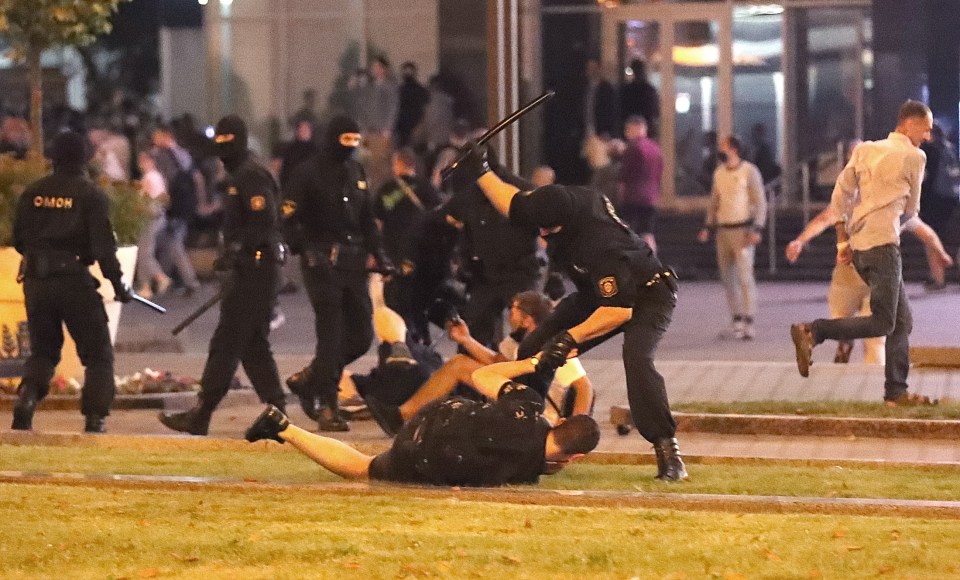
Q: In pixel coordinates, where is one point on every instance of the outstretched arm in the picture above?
(814, 228)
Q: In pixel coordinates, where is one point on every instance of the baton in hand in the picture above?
(449, 169)
(152, 305)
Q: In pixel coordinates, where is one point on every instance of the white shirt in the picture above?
(737, 196)
(879, 189)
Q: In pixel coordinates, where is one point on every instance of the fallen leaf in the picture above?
(510, 559)
(885, 570)
(815, 574)
(528, 523)
(144, 524)
(895, 535)
(772, 556)
(840, 533)
(853, 548)
(352, 565)
(149, 573)
(733, 576)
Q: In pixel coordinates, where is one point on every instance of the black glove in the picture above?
(121, 291)
(555, 352)
(469, 170)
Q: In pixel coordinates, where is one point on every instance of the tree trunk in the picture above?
(35, 75)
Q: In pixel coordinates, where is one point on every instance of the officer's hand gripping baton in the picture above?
(449, 169)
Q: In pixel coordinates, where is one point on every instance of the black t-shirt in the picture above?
(470, 443)
(601, 255)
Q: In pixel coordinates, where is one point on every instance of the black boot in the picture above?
(268, 425)
(329, 418)
(299, 385)
(25, 406)
(196, 421)
(94, 424)
(670, 465)
(387, 416)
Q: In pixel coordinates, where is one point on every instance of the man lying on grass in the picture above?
(456, 441)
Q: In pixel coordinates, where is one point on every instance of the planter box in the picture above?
(13, 311)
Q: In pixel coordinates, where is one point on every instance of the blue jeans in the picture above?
(881, 268)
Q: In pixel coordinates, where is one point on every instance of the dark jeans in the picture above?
(890, 316)
(646, 390)
(70, 300)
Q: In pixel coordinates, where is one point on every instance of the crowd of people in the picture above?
(388, 249)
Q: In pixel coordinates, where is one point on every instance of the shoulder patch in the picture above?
(362, 185)
(608, 287)
(232, 190)
(288, 208)
(258, 202)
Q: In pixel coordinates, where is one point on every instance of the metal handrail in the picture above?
(772, 190)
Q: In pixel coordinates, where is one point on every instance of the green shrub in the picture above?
(129, 209)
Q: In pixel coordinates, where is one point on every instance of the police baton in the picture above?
(149, 304)
(210, 303)
(506, 122)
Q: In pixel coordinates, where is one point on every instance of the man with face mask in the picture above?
(621, 286)
(329, 220)
(62, 226)
(250, 263)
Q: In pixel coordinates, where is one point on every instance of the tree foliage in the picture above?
(42, 24)
(32, 26)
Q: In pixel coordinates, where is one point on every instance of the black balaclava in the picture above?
(70, 152)
(545, 207)
(331, 139)
(232, 152)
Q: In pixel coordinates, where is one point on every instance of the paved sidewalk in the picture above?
(698, 360)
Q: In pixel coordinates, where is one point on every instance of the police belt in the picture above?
(346, 256)
(668, 276)
(48, 263)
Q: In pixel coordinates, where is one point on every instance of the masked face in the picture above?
(341, 139)
(231, 141)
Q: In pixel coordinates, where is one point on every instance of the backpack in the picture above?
(182, 190)
(946, 183)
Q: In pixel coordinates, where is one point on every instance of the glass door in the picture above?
(686, 53)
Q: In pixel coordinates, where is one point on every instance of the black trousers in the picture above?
(242, 337)
(487, 300)
(344, 324)
(646, 390)
(70, 300)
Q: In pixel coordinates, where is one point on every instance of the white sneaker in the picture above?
(739, 329)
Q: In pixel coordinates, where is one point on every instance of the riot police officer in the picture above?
(499, 259)
(250, 269)
(61, 227)
(329, 220)
(621, 286)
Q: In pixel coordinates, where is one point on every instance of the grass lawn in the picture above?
(867, 409)
(756, 478)
(92, 531)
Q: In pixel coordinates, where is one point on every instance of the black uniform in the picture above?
(610, 266)
(462, 442)
(500, 259)
(250, 265)
(329, 221)
(62, 226)
(403, 206)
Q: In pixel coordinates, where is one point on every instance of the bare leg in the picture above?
(440, 384)
(332, 454)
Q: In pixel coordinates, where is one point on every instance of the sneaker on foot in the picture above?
(268, 425)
